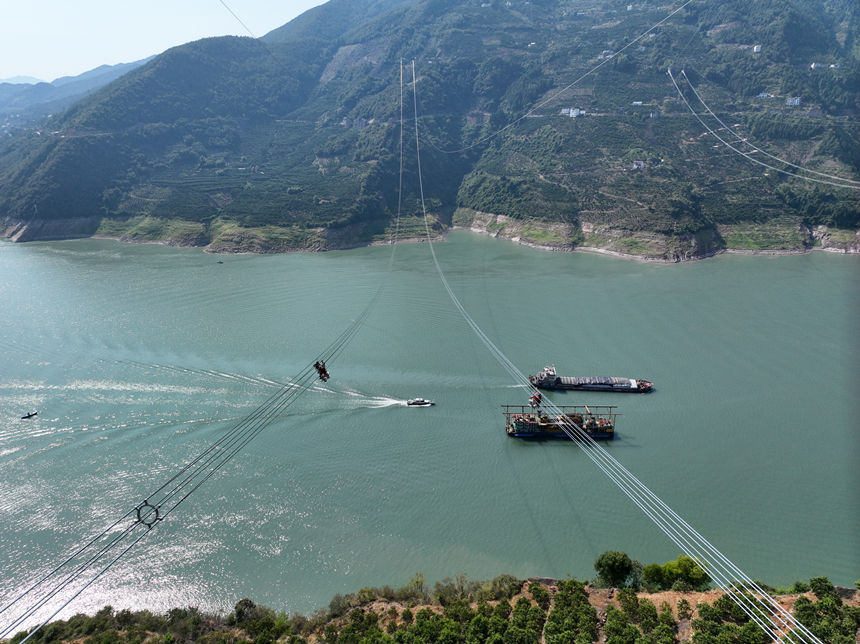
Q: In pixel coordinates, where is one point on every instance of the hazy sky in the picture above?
(51, 38)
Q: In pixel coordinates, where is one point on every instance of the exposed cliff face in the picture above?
(546, 236)
(223, 237)
(836, 241)
(786, 236)
(589, 236)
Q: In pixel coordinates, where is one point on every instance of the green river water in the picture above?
(137, 357)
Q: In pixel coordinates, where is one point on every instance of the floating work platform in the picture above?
(596, 421)
(549, 379)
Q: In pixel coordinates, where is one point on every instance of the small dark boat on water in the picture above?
(30, 415)
(549, 379)
(419, 402)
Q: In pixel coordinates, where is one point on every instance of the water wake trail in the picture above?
(259, 381)
(359, 399)
(49, 427)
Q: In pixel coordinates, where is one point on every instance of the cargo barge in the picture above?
(549, 379)
(526, 421)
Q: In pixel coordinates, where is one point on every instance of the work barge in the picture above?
(547, 378)
(526, 421)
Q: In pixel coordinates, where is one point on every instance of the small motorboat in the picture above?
(30, 415)
(419, 402)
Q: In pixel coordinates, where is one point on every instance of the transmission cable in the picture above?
(762, 609)
(748, 156)
(757, 149)
(238, 19)
(152, 510)
(162, 501)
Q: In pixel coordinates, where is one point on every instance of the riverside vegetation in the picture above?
(290, 141)
(636, 609)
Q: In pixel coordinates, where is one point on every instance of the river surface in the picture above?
(137, 357)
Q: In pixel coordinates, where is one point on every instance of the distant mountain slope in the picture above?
(26, 80)
(291, 141)
(34, 100)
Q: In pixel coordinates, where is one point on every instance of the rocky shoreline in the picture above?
(651, 246)
(557, 237)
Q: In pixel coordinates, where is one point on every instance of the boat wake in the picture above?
(258, 381)
(372, 402)
(57, 427)
(380, 402)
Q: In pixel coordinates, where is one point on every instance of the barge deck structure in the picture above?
(525, 421)
(547, 378)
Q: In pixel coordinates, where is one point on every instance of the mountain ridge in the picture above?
(290, 141)
(21, 80)
(29, 102)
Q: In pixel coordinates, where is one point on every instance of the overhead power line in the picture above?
(238, 19)
(757, 149)
(756, 603)
(59, 587)
(840, 184)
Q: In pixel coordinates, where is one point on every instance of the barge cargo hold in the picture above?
(523, 421)
(549, 379)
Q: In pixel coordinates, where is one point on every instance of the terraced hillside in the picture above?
(553, 122)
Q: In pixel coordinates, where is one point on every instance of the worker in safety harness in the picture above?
(321, 370)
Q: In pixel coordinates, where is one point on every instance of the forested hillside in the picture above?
(292, 141)
(504, 610)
